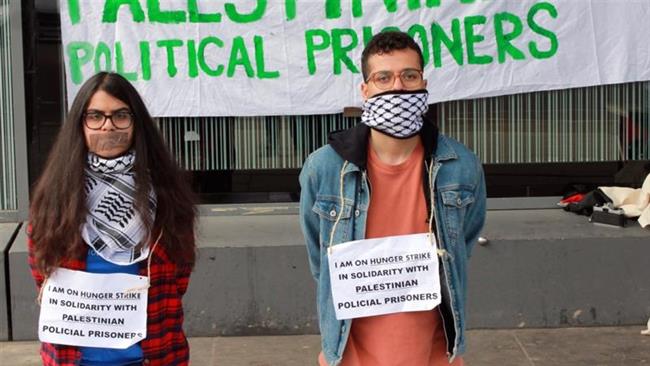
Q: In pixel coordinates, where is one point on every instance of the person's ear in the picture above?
(364, 90)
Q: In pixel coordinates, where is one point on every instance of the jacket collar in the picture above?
(444, 150)
(352, 144)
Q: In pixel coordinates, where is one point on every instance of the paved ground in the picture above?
(615, 346)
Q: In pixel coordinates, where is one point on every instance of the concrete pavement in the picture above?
(589, 346)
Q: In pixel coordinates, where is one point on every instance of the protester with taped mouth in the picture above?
(112, 204)
(390, 181)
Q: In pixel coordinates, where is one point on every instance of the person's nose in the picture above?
(397, 84)
(108, 124)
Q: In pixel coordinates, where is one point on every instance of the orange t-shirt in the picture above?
(397, 207)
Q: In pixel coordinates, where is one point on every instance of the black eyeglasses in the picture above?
(384, 80)
(95, 120)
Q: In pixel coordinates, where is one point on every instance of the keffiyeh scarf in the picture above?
(113, 227)
(397, 114)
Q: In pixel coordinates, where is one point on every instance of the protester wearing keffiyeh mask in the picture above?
(373, 187)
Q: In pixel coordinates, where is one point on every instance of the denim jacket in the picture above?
(335, 194)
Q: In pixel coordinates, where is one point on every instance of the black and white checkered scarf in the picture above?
(396, 113)
(113, 227)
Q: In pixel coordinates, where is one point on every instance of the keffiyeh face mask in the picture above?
(398, 114)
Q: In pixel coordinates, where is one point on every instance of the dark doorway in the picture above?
(44, 95)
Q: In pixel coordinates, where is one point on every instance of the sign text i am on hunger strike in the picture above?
(246, 55)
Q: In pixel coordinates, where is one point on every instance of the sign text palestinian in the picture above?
(287, 57)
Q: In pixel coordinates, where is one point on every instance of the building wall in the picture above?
(549, 269)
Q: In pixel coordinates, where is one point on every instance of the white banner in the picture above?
(384, 276)
(289, 57)
(93, 310)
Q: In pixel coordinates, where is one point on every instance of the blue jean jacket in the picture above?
(335, 194)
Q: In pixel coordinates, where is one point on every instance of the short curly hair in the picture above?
(386, 42)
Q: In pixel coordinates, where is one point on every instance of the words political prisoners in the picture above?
(246, 55)
(90, 333)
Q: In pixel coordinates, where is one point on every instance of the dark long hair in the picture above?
(58, 207)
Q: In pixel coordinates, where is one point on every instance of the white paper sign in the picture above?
(93, 310)
(251, 58)
(385, 275)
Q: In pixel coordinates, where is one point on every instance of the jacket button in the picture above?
(333, 213)
(459, 201)
(357, 213)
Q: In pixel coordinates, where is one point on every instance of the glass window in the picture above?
(532, 144)
(596, 124)
(8, 195)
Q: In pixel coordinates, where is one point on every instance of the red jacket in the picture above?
(165, 344)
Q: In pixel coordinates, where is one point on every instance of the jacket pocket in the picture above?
(458, 199)
(328, 209)
(455, 202)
